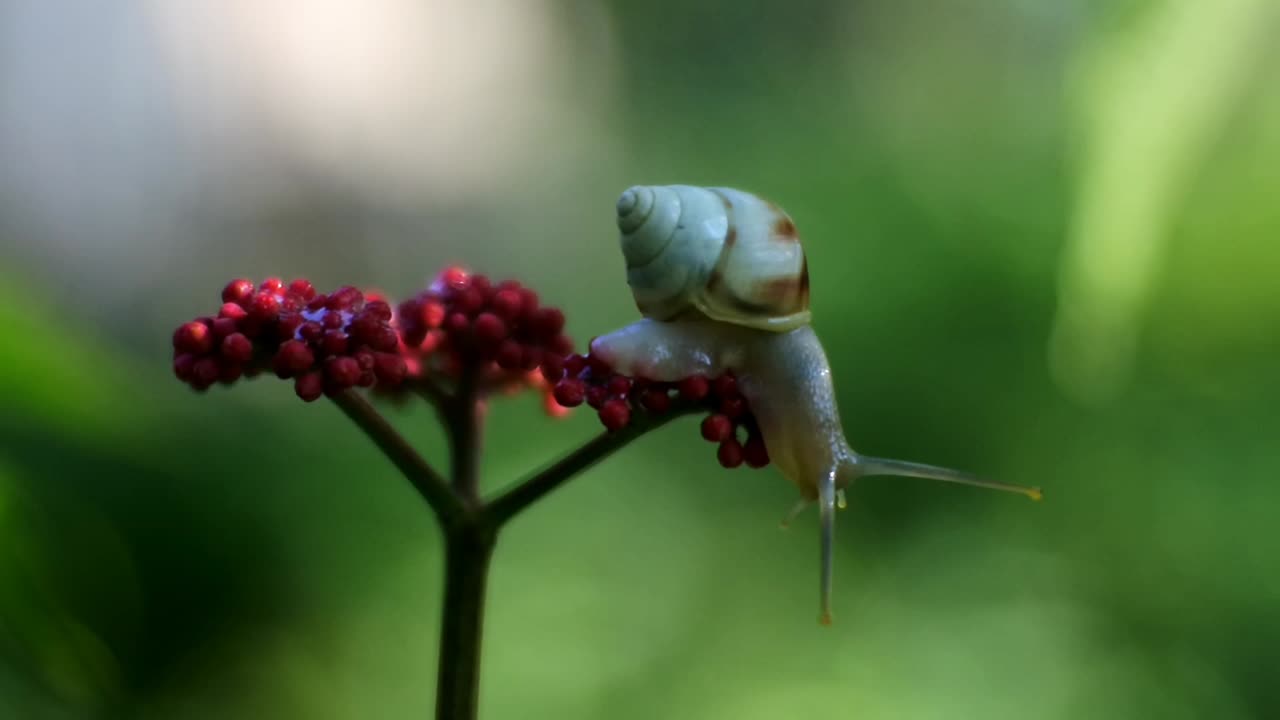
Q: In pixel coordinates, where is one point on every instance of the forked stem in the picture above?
(470, 523)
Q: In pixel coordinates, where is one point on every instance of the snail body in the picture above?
(721, 280)
(783, 375)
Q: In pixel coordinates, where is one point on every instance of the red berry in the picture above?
(599, 367)
(694, 388)
(489, 329)
(547, 323)
(414, 337)
(619, 385)
(237, 348)
(292, 358)
(735, 406)
(510, 354)
(379, 309)
(251, 326)
(730, 453)
(656, 400)
(271, 285)
(570, 392)
(725, 385)
(481, 283)
(205, 372)
(457, 324)
(182, 366)
(754, 451)
(390, 368)
(333, 342)
(333, 320)
(561, 345)
(363, 326)
(342, 371)
(237, 291)
(287, 324)
(229, 372)
(193, 337)
(530, 358)
(223, 327)
(345, 298)
(574, 365)
(552, 367)
(553, 408)
(454, 278)
(507, 304)
(303, 289)
(469, 301)
(717, 428)
(432, 314)
(596, 395)
(309, 387)
(232, 311)
(528, 302)
(385, 340)
(264, 305)
(615, 415)
(433, 341)
(311, 331)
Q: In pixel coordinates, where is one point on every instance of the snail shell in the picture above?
(723, 253)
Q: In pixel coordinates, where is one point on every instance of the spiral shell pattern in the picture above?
(723, 253)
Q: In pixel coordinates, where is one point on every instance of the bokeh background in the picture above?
(1044, 247)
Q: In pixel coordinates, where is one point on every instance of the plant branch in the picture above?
(528, 491)
(430, 484)
(430, 391)
(466, 425)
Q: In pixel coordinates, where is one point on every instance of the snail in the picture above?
(721, 280)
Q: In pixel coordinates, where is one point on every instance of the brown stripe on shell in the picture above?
(785, 230)
(714, 280)
(728, 204)
(731, 236)
(789, 294)
(804, 282)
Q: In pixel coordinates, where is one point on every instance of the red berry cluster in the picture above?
(326, 343)
(468, 321)
(588, 379)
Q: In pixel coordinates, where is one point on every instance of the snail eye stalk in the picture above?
(866, 466)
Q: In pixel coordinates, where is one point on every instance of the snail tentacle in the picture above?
(865, 466)
(827, 506)
(800, 506)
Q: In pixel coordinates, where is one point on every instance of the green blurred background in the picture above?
(1043, 243)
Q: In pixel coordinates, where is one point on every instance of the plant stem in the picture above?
(468, 549)
(530, 490)
(429, 483)
(466, 426)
